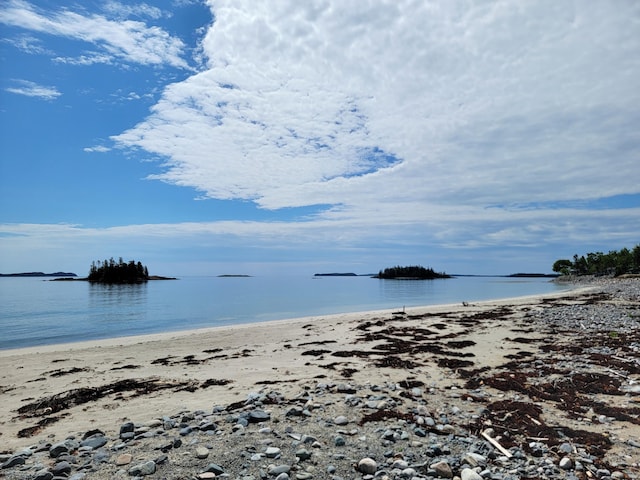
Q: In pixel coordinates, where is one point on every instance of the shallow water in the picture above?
(35, 311)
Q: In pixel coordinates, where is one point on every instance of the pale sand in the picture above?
(269, 352)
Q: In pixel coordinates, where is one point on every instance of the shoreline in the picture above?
(165, 335)
(456, 365)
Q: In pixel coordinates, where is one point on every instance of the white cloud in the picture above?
(126, 40)
(97, 148)
(28, 44)
(482, 103)
(122, 10)
(342, 238)
(31, 89)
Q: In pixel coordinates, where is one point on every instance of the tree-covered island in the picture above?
(414, 272)
(110, 272)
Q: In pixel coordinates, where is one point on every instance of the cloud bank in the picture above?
(427, 103)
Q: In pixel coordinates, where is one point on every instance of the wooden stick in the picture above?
(495, 443)
(534, 420)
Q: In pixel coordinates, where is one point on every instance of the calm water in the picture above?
(34, 311)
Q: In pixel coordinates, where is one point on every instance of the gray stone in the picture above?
(367, 466)
(468, 474)
(214, 468)
(272, 452)
(143, 469)
(43, 475)
(202, 452)
(341, 420)
(61, 469)
(207, 426)
(474, 459)
(258, 416)
(62, 447)
(127, 427)
(279, 469)
(408, 473)
(565, 463)
(95, 441)
(13, 461)
(303, 454)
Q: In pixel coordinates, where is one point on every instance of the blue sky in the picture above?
(234, 136)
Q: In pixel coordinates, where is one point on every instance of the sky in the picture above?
(252, 137)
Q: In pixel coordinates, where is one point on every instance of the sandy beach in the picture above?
(458, 355)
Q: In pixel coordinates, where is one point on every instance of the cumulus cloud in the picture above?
(126, 40)
(31, 89)
(311, 103)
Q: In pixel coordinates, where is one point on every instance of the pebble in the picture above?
(202, 452)
(124, 459)
(442, 469)
(143, 469)
(468, 474)
(367, 465)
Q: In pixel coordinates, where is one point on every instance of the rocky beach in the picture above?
(537, 387)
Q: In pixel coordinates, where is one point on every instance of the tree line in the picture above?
(616, 262)
(413, 271)
(112, 272)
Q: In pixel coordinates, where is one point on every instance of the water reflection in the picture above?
(408, 291)
(118, 306)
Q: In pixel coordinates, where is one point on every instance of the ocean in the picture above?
(37, 311)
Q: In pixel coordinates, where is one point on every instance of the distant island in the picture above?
(414, 272)
(534, 275)
(39, 274)
(233, 275)
(350, 274)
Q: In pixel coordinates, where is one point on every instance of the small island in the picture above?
(415, 272)
(336, 274)
(39, 274)
(110, 272)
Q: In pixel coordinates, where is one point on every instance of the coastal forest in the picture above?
(616, 262)
(411, 272)
(120, 272)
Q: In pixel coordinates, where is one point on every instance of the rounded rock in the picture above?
(61, 469)
(43, 475)
(341, 420)
(14, 461)
(202, 452)
(272, 452)
(468, 474)
(565, 463)
(367, 465)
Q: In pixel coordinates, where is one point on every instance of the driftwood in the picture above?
(495, 443)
